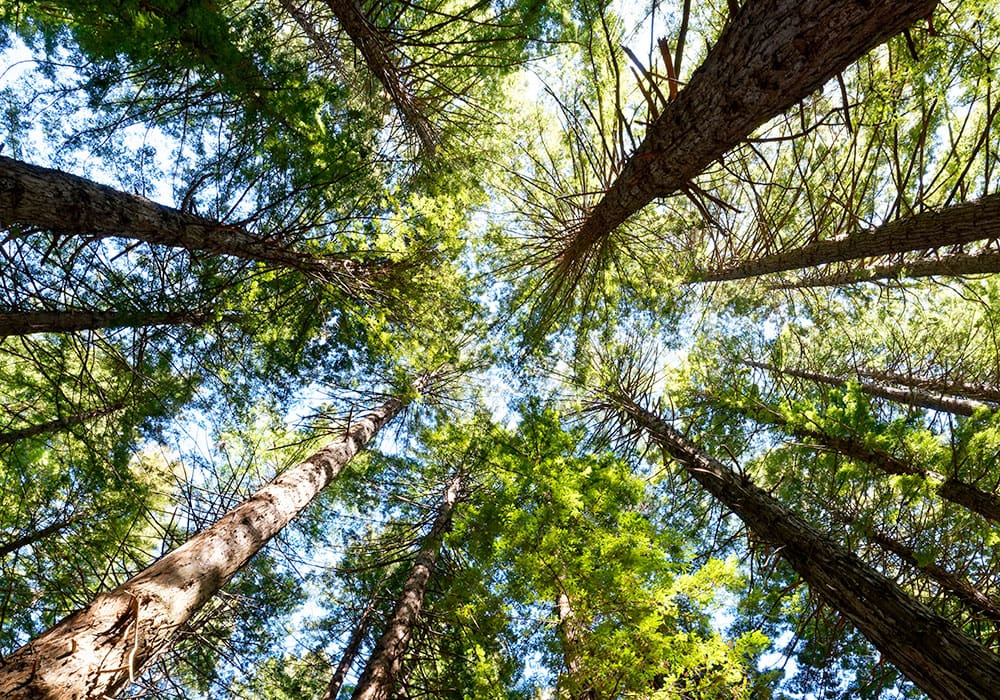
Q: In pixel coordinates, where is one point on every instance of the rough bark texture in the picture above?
(773, 54)
(911, 396)
(570, 639)
(962, 223)
(97, 651)
(9, 437)
(51, 200)
(29, 322)
(373, 46)
(378, 681)
(975, 391)
(952, 265)
(350, 652)
(927, 648)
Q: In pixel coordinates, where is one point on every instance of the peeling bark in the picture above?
(97, 651)
(925, 647)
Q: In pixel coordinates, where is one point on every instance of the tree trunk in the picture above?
(351, 651)
(373, 45)
(948, 488)
(570, 640)
(974, 391)
(29, 322)
(772, 54)
(962, 223)
(952, 265)
(38, 535)
(378, 681)
(10, 437)
(97, 651)
(51, 200)
(911, 396)
(927, 648)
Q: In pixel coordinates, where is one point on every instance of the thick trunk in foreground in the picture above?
(963, 223)
(951, 265)
(373, 46)
(350, 652)
(9, 437)
(925, 647)
(29, 322)
(51, 200)
(771, 55)
(910, 396)
(378, 681)
(97, 651)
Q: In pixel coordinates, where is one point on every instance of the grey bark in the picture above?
(379, 679)
(51, 200)
(97, 651)
(925, 647)
(974, 391)
(963, 223)
(570, 640)
(771, 55)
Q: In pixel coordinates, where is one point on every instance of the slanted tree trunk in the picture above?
(350, 651)
(962, 223)
(29, 322)
(974, 391)
(9, 437)
(948, 488)
(771, 55)
(374, 46)
(925, 647)
(37, 536)
(97, 651)
(51, 200)
(951, 265)
(570, 639)
(911, 396)
(379, 679)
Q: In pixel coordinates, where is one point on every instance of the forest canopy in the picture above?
(569, 349)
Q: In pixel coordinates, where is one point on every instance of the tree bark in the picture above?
(51, 200)
(773, 54)
(97, 651)
(952, 265)
(10, 437)
(372, 44)
(927, 648)
(350, 652)
(378, 681)
(911, 396)
(38, 535)
(570, 640)
(962, 223)
(29, 322)
(974, 391)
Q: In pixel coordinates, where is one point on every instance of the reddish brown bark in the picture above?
(97, 651)
(951, 265)
(927, 648)
(29, 322)
(378, 681)
(962, 223)
(771, 55)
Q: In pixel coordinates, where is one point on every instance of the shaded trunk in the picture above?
(952, 265)
(350, 651)
(948, 488)
(296, 10)
(99, 650)
(51, 200)
(962, 223)
(378, 681)
(924, 646)
(771, 55)
(911, 396)
(29, 322)
(374, 46)
(10, 437)
(975, 391)
(570, 640)
(38, 535)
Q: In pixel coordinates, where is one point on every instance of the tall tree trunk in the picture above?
(38, 535)
(771, 55)
(378, 681)
(29, 322)
(951, 265)
(911, 396)
(10, 437)
(948, 488)
(975, 391)
(374, 45)
(961, 223)
(350, 651)
(97, 651)
(927, 648)
(570, 640)
(55, 201)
